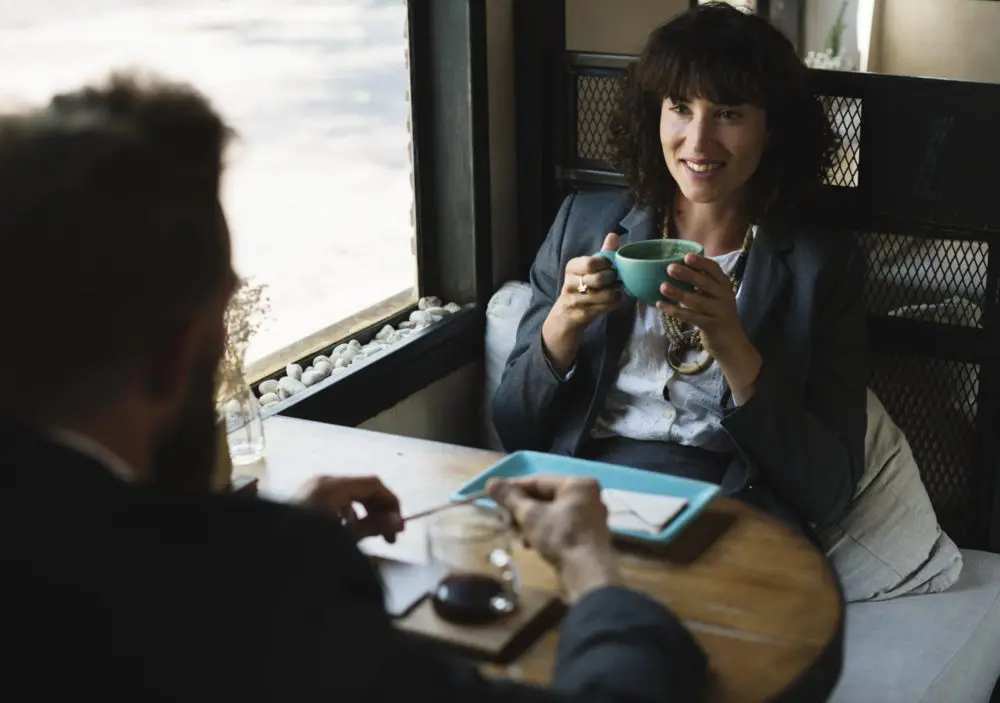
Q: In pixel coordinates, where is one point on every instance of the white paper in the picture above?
(406, 584)
(640, 512)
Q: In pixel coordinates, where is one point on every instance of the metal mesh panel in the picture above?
(934, 403)
(595, 99)
(845, 118)
(935, 280)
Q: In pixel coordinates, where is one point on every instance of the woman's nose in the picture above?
(701, 132)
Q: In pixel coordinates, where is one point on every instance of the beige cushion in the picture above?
(890, 543)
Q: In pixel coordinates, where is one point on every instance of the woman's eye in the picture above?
(729, 115)
(681, 109)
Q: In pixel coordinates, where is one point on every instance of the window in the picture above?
(318, 187)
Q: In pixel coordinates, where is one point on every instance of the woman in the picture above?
(756, 379)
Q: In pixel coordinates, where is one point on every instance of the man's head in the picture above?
(116, 269)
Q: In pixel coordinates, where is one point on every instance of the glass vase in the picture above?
(240, 410)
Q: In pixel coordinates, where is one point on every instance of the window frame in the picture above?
(450, 156)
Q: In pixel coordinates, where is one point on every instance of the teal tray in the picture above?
(698, 493)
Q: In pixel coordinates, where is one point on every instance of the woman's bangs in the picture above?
(719, 77)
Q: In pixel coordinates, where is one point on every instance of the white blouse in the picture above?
(636, 406)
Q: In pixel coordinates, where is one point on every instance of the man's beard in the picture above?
(184, 458)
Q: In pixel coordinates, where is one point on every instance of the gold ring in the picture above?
(582, 287)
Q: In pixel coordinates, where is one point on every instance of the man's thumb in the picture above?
(610, 242)
(510, 497)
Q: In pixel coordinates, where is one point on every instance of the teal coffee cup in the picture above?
(642, 266)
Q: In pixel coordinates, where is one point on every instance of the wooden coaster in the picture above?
(499, 642)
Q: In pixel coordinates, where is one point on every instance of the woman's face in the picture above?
(712, 150)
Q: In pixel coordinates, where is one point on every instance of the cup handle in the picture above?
(609, 255)
(612, 258)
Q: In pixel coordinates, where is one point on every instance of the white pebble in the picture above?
(419, 317)
(384, 332)
(340, 363)
(311, 378)
(350, 353)
(429, 302)
(320, 359)
(269, 399)
(407, 325)
(268, 386)
(291, 386)
(438, 312)
(294, 371)
(373, 349)
(234, 407)
(453, 308)
(324, 367)
(354, 343)
(339, 351)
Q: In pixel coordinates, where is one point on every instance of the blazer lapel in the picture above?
(765, 277)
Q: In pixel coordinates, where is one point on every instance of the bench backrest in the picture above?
(917, 183)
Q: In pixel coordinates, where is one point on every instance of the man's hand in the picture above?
(565, 521)
(339, 496)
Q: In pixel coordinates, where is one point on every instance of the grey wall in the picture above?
(615, 26)
(957, 39)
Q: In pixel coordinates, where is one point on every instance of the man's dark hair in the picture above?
(730, 57)
(111, 233)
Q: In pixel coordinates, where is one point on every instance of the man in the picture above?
(124, 577)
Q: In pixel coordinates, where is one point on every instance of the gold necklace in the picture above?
(681, 337)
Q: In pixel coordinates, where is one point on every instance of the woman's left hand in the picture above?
(711, 307)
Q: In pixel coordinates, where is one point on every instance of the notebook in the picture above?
(640, 512)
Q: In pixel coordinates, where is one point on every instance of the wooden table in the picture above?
(761, 601)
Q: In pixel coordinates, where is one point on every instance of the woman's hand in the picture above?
(711, 307)
(589, 289)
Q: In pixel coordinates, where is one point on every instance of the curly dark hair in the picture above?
(722, 54)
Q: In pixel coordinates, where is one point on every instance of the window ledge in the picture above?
(380, 381)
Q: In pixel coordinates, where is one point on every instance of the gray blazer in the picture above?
(800, 437)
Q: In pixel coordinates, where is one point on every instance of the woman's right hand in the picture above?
(573, 311)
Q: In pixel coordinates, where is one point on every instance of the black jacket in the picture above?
(114, 592)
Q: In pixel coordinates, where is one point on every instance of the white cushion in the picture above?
(927, 649)
(890, 543)
(503, 313)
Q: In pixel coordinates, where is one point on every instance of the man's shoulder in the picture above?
(270, 526)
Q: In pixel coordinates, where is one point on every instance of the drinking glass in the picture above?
(472, 543)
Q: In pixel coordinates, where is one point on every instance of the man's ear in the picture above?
(172, 360)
